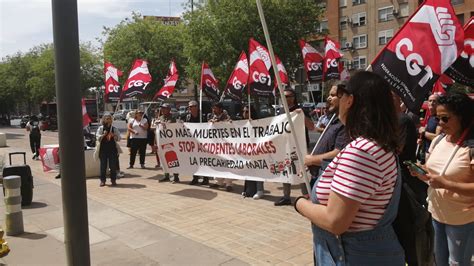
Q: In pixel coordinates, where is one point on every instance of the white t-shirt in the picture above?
(141, 133)
(363, 172)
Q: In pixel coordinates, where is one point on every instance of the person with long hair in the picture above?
(449, 201)
(108, 136)
(138, 128)
(355, 201)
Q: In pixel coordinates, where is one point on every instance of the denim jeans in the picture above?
(454, 244)
(112, 160)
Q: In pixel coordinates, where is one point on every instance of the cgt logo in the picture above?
(413, 61)
(170, 155)
(331, 63)
(211, 84)
(262, 78)
(137, 83)
(113, 88)
(313, 66)
(237, 84)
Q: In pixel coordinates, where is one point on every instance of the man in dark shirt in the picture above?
(332, 142)
(193, 117)
(293, 105)
(432, 129)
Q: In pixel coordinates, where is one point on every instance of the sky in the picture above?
(28, 23)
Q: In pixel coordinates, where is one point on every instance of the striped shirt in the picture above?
(363, 172)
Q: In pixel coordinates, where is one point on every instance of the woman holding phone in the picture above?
(449, 200)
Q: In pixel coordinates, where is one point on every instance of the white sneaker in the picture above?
(258, 195)
(120, 175)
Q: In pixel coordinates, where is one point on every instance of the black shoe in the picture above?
(102, 184)
(58, 176)
(205, 182)
(194, 182)
(283, 201)
(114, 184)
(130, 167)
(142, 166)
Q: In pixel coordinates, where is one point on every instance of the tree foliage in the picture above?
(148, 39)
(219, 30)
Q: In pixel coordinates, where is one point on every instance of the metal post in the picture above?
(13, 214)
(282, 95)
(71, 140)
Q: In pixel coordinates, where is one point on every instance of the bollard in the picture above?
(3, 140)
(13, 214)
(4, 249)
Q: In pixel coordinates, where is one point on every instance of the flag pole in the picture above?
(248, 97)
(322, 134)
(280, 88)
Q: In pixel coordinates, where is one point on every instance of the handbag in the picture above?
(97, 151)
(119, 149)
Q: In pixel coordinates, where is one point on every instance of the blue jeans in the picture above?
(454, 244)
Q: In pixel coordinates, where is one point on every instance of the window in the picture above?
(360, 41)
(343, 41)
(342, 3)
(359, 62)
(343, 23)
(323, 26)
(385, 13)
(404, 10)
(357, 2)
(457, 2)
(385, 36)
(461, 18)
(358, 19)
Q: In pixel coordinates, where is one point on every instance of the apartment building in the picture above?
(363, 27)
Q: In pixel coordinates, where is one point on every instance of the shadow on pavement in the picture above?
(31, 236)
(14, 135)
(35, 205)
(196, 193)
(135, 186)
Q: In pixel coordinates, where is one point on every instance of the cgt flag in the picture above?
(282, 72)
(238, 79)
(428, 43)
(138, 79)
(312, 62)
(112, 85)
(331, 69)
(170, 83)
(260, 82)
(209, 84)
(462, 70)
(85, 116)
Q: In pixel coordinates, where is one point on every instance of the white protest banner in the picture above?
(261, 150)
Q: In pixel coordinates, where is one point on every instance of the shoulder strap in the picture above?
(438, 139)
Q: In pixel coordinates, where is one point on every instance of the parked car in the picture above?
(121, 114)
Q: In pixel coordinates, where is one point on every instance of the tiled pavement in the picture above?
(143, 222)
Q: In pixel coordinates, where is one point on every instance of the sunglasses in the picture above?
(444, 119)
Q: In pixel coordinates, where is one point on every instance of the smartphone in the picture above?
(415, 167)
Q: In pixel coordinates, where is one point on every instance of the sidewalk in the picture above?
(143, 222)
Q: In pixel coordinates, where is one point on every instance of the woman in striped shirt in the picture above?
(356, 198)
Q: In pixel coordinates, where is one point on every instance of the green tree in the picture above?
(219, 30)
(148, 39)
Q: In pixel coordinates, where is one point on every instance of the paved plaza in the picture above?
(143, 222)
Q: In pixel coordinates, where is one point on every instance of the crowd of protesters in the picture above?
(356, 171)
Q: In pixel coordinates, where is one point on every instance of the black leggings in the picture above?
(137, 145)
(35, 143)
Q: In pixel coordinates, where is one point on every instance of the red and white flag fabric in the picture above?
(138, 79)
(112, 84)
(85, 116)
(427, 44)
(260, 81)
(170, 83)
(209, 83)
(282, 73)
(332, 54)
(238, 79)
(49, 158)
(462, 70)
(313, 62)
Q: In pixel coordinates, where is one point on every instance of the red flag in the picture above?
(462, 70)
(168, 88)
(138, 79)
(49, 158)
(282, 72)
(312, 62)
(209, 84)
(331, 59)
(260, 82)
(427, 44)
(85, 116)
(170, 83)
(112, 85)
(238, 79)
